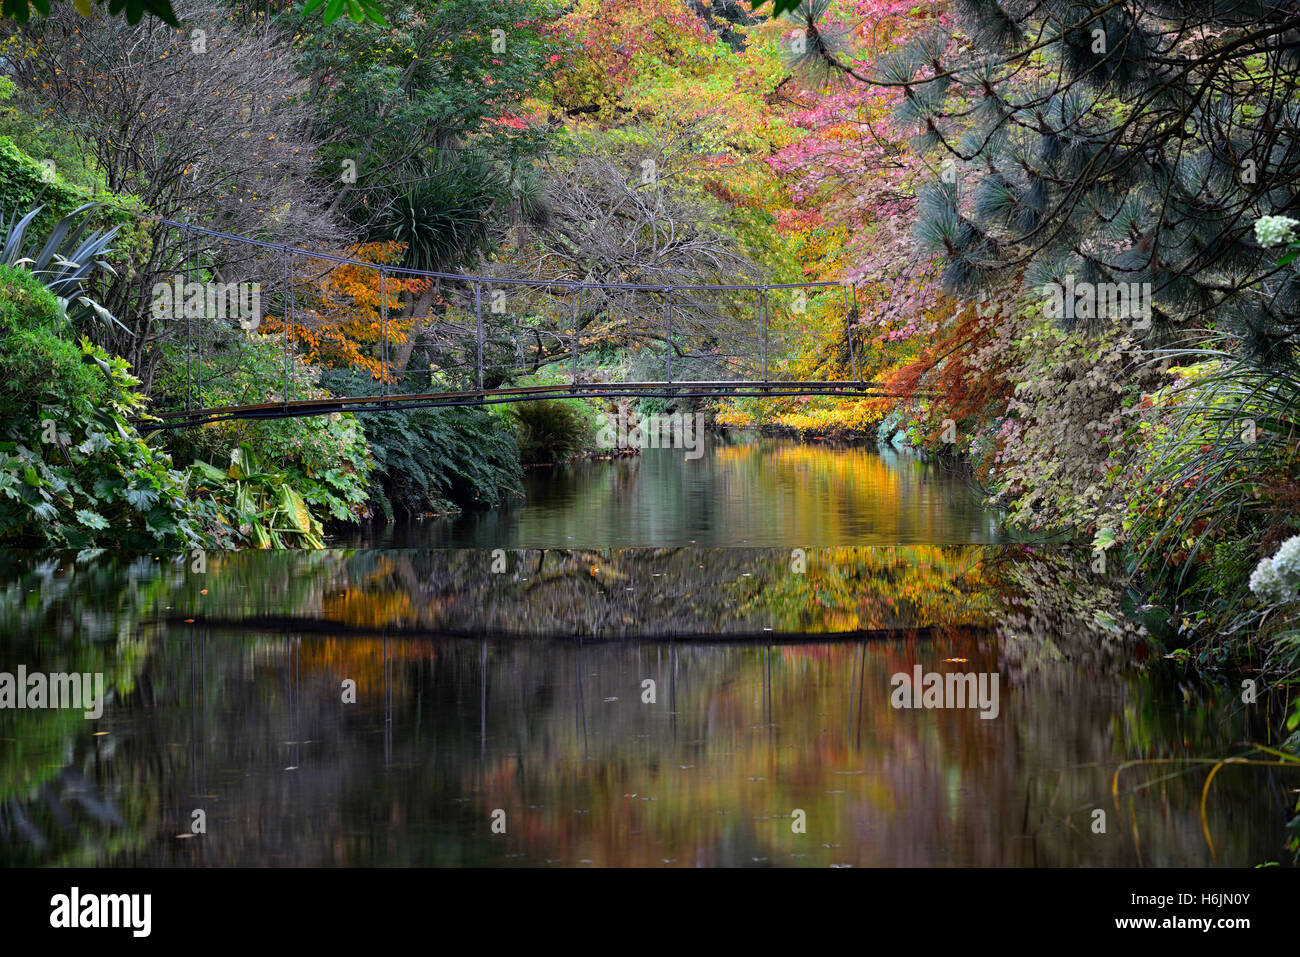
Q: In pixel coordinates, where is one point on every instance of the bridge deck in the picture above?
(301, 408)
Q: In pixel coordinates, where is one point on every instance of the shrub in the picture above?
(325, 458)
(1212, 460)
(268, 511)
(435, 460)
(73, 471)
(553, 430)
(68, 260)
(25, 185)
(36, 365)
(1063, 437)
(550, 430)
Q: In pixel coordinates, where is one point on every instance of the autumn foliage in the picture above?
(339, 318)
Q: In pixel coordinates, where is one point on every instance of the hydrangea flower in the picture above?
(1275, 230)
(1277, 579)
(1287, 560)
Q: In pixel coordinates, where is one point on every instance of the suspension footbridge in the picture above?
(448, 339)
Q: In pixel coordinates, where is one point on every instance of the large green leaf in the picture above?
(209, 472)
(295, 509)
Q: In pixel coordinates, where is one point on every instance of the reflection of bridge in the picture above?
(479, 335)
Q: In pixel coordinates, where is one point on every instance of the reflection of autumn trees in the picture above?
(555, 733)
(851, 589)
(750, 733)
(747, 491)
(370, 664)
(865, 495)
(248, 723)
(625, 592)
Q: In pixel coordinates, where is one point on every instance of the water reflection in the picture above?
(240, 712)
(743, 491)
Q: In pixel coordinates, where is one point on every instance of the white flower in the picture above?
(1275, 230)
(1263, 580)
(1277, 579)
(1287, 560)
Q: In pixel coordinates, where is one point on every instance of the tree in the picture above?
(850, 170)
(394, 106)
(341, 310)
(1119, 143)
(625, 208)
(203, 125)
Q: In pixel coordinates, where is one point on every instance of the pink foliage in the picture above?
(856, 170)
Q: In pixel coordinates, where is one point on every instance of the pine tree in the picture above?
(1113, 142)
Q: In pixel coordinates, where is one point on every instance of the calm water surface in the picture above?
(666, 706)
(741, 491)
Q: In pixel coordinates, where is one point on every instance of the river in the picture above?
(657, 661)
(742, 491)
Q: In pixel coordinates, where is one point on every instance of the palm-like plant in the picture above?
(65, 262)
(443, 218)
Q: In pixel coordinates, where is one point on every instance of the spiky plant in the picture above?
(1230, 435)
(443, 218)
(65, 261)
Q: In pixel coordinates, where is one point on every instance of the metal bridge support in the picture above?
(668, 330)
(849, 312)
(288, 323)
(198, 325)
(383, 330)
(853, 352)
(478, 345)
(192, 399)
(577, 313)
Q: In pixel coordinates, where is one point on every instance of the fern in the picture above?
(435, 460)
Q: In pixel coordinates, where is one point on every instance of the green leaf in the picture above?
(1104, 538)
(261, 537)
(209, 472)
(91, 519)
(295, 508)
(778, 6)
(332, 11)
(141, 499)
